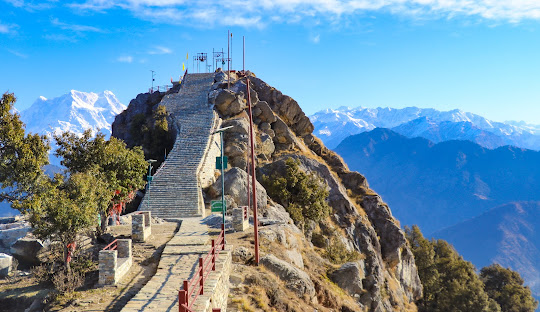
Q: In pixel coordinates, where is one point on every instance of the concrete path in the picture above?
(178, 263)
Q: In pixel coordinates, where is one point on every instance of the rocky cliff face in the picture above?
(385, 278)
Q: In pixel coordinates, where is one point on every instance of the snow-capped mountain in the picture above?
(333, 125)
(75, 112)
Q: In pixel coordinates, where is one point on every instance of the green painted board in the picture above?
(218, 162)
(215, 206)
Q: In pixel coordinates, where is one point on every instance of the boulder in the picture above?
(228, 103)
(11, 232)
(276, 212)
(28, 250)
(294, 278)
(236, 181)
(6, 262)
(283, 134)
(240, 126)
(236, 141)
(349, 277)
(242, 254)
(287, 108)
(295, 258)
(266, 146)
(266, 114)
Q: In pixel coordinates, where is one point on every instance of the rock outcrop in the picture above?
(236, 181)
(385, 278)
(294, 278)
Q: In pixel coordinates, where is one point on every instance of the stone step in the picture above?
(175, 191)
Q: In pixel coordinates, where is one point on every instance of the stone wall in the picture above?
(240, 218)
(216, 287)
(141, 226)
(114, 264)
(208, 164)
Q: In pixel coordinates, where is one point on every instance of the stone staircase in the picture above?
(175, 191)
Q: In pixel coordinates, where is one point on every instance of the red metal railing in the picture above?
(112, 246)
(245, 212)
(193, 288)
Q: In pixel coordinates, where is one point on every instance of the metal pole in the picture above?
(231, 51)
(149, 180)
(228, 62)
(253, 181)
(222, 184)
(244, 54)
(152, 81)
(248, 178)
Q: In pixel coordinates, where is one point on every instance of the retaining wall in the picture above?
(141, 226)
(216, 286)
(114, 264)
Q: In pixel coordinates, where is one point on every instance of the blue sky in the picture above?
(480, 56)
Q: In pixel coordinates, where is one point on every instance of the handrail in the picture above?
(164, 88)
(195, 286)
(112, 246)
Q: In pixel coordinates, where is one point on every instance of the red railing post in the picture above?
(213, 255)
(201, 274)
(182, 300)
(223, 235)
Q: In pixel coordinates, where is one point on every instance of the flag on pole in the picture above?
(183, 67)
(187, 56)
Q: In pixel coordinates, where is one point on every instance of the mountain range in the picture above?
(450, 190)
(506, 234)
(439, 185)
(334, 125)
(75, 112)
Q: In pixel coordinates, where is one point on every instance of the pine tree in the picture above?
(506, 288)
(450, 283)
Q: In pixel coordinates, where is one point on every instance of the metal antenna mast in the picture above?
(153, 75)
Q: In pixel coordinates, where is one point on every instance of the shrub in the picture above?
(302, 194)
(338, 253)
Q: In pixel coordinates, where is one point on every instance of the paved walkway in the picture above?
(178, 263)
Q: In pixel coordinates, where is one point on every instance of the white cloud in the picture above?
(125, 59)
(18, 54)
(59, 37)
(315, 39)
(160, 50)
(75, 27)
(32, 5)
(8, 29)
(257, 13)
(4, 29)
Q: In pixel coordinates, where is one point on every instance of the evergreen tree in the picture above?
(450, 283)
(122, 169)
(506, 288)
(23, 155)
(65, 207)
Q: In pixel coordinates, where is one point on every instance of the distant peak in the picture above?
(41, 97)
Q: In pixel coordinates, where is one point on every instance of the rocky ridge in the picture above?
(386, 278)
(383, 278)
